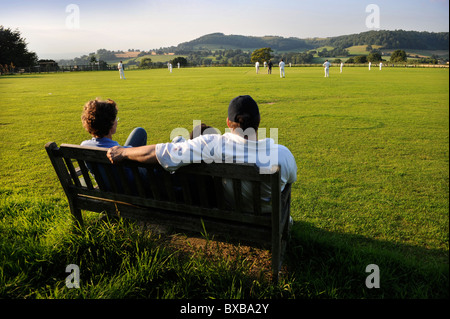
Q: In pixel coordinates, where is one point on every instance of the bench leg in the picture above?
(279, 244)
(76, 212)
(276, 258)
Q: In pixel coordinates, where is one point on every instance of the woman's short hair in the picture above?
(98, 117)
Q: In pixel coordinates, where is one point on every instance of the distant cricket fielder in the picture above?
(326, 66)
(370, 64)
(257, 67)
(381, 65)
(281, 65)
(121, 73)
(342, 64)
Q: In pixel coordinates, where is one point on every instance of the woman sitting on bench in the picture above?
(99, 118)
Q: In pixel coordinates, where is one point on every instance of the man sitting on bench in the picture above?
(241, 145)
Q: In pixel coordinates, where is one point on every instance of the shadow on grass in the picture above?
(122, 260)
(333, 265)
(322, 264)
(317, 264)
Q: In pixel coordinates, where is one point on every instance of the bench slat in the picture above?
(137, 180)
(85, 173)
(111, 180)
(86, 153)
(202, 190)
(178, 207)
(186, 189)
(72, 171)
(218, 189)
(124, 180)
(256, 193)
(98, 176)
(169, 187)
(237, 189)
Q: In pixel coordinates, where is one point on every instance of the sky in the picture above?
(56, 29)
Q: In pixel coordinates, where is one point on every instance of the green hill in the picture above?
(383, 38)
(221, 41)
(391, 40)
(416, 44)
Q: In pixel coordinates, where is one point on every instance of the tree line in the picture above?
(389, 40)
(14, 52)
(386, 39)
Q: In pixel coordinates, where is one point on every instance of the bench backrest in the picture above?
(195, 188)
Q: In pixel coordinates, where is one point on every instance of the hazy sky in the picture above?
(57, 29)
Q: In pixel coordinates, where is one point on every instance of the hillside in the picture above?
(386, 39)
(222, 41)
(218, 48)
(392, 40)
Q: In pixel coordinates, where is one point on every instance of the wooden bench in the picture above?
(190, 199)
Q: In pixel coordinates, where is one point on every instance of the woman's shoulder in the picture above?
(100, 142)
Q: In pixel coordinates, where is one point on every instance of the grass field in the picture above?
(372, 150)
(360, 49)
(157, 58)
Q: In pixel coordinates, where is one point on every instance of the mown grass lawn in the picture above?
(372, 155)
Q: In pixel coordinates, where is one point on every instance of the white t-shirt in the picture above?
(326, 65)
(282, 65)
(231, 148)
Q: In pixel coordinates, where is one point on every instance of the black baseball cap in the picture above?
(242, 105)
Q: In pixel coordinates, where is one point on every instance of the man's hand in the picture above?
(142, 154)
(115, 154)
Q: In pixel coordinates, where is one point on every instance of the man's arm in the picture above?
(143, 154)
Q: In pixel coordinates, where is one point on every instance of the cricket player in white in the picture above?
(381, 65)
(370, 64)
(281, 65)
(326, 66)
(121, 73)
(342, 64)
(257, 67)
